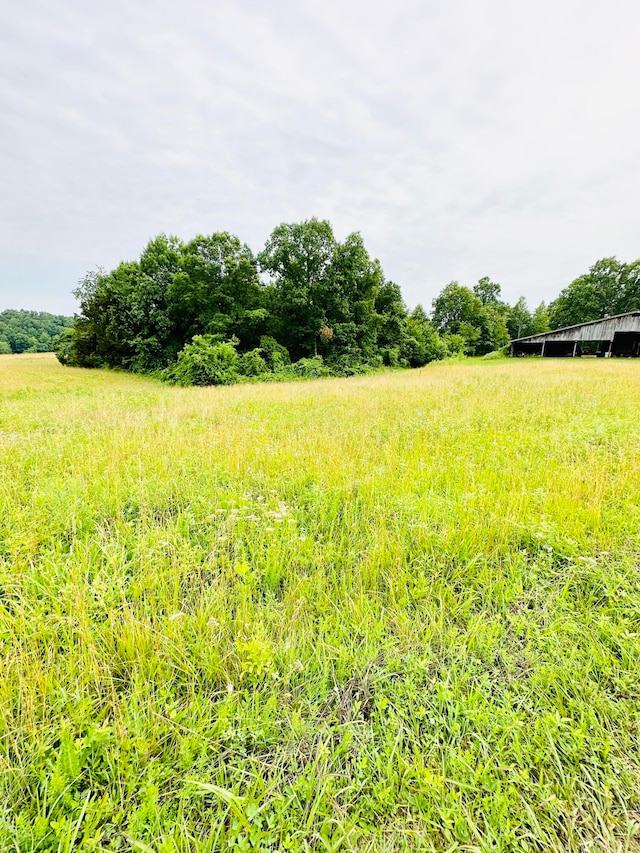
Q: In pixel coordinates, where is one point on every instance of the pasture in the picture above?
(384, 613)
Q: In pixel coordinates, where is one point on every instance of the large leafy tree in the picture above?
(493, 328)
(106, 327)
(392, 323)
(422, 343)
(141, 314)
(460, 312)
(217, 291)
(540, 319)
(630, 299)
(125, 315)
(299, 257)
(354, 280)
(454, 306)
(156, 339)
(520, 321)
(457, 311)
(487, 291)
(597, 294)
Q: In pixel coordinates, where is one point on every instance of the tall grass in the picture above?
(398, 612)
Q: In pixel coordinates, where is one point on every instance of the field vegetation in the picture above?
(381, 613)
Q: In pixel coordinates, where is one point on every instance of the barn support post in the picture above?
(575, 349)
(544, 344)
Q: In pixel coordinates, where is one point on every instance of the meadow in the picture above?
(383, 613)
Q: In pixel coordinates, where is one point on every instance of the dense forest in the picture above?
(30, 331)
(210, 311)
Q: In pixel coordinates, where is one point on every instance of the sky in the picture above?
(460, 138)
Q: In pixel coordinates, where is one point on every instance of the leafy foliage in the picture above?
(610, 287)
(30, 331)
(326, 307)
(206, 361)
(306, 299)
(476, 316)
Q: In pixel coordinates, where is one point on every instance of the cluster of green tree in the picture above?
(476, 321)
(209, 311)
(484, 323)
(30, 331)
(610, 287)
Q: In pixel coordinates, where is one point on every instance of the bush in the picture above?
(391, 356)
(310, 368)
(503, 352)
(348, 365)
(75, 347)
(276, 356)
(418, 351)
(455, 345)
(64, 346)
(253, 364)
(206, 361)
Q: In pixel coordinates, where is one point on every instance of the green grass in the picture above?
(386, 613)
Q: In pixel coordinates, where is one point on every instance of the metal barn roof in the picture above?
(594, 330)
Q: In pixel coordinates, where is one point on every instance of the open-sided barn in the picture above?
(612, 336)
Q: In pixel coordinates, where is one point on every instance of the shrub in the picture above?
(455, 345)
(64, 346)
(310, 368)
(276, 356)
(497, 353)
(348, 365)
(391, 356)
(253, 364)
(206, 361)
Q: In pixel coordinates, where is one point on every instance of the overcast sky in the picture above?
(461, 138)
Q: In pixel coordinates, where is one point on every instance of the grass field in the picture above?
(386, 613)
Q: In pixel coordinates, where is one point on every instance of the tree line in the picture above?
(30, 331)
(210, 311)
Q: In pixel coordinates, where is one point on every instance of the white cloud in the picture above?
(461, 139)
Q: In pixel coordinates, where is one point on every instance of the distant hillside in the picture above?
(30, 331)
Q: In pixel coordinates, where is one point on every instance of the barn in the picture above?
(612, 336)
